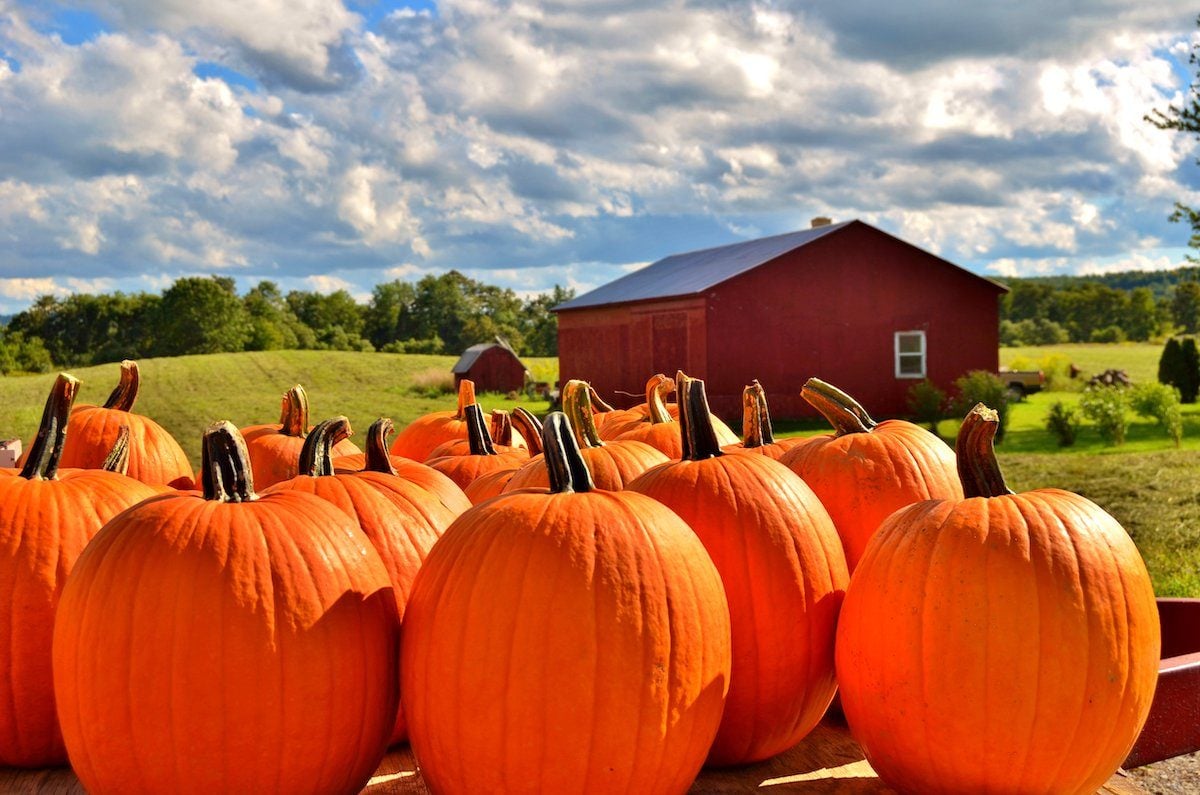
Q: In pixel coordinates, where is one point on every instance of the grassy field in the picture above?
(1139, 359)
(187, 393)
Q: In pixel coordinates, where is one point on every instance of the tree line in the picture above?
(1046, 312)
(437, 314)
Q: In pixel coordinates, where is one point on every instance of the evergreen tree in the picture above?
(1189, 389)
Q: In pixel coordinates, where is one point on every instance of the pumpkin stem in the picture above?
(46, 450)
(978, 468)
(293, 414)
(378, 459)
(126, 393)
(756, 420)
(117, 459)
(568, 471)
(466, 396)
(658, 386)
(316, 456)
(477, 432)
(530, 428)
(598, 403)
(844, 413)
(695, 421)
(225, 465)
(577, 406)
(501, 427)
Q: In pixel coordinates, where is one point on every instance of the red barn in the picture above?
(845, 302)
(492, 366)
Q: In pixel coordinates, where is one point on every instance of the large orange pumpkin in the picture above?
(575, 641)
(611, 423)
(659, 429)
(612, 464)
(867, 470)
(481, 457)
(377, 459)
(999, 642)
(275, 449)
(417, 440)
(154, 455)
(227, 642)
(757, 435)
(402, 519)
(784, 575)
(47, 516)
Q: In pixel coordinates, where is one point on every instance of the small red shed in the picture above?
(493, 366)
(847, 302)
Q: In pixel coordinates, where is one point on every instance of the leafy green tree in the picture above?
(541, 324)
(1141, 321)
(1190, 388)
(387, 315)
(201, 315)
(1185, 307)
(273, 325)
(1184, 117)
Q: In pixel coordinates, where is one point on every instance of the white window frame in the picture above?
(923, 353)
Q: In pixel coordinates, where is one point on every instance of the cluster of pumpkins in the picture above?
(605, 601)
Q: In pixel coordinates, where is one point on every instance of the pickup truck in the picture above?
(1022, 382)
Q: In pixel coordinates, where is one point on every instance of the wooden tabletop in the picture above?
(827, 762)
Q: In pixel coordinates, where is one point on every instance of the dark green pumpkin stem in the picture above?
(568, 471)
(529, 428)
(316, 456)
(126, 393)
(844, 413)
(598, 403)
(978, 468)
(293, 414)
(378, 459)
(225, 465)
(477, 432)
(695, 421)
(466, 397)
(117, 459)
(577, 406)
(656, 388)
(756, 420)
(47, 447)
(501, 428)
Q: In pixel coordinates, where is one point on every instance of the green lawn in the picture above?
(187, 393)
(1139, 359)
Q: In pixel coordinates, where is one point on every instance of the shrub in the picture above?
(1063, 422)
(431, 345)
(981, 386)
(1159, 402)
(1106, 406)
(1191, 370)
(927, 403)
(1108, 334)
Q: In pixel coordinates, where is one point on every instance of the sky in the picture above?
(337, 144)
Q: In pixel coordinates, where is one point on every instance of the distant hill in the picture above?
(1160, 282)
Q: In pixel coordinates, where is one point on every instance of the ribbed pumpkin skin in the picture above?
(565, 643)
(275, 455)
(774, 450)
(612, 424)
(154, 455)
(612, 466)
(402, 521)
(862, 478)
(422, 475)
(662, 436)
(487, 486)
(998, 645)
(227, 647)
(422, 435)
(44, 526)
(784, 575)
(464, 469)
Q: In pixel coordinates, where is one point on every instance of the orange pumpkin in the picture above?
(401, 519)
(784, 575)
(275, 449)
(227, 642)
(425, 433)
(154, 455)
(612, 464)
(377, 459)
(481, 458)
(611, 423)
(487, 486)
(568, 641)
(659, 429)
(757, 436)
(999, 642)
(530, 429)
(867, 470)
(47, 516)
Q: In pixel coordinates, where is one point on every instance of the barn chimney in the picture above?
(821, 220)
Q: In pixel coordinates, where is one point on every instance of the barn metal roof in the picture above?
(472, 354)
(696, 271)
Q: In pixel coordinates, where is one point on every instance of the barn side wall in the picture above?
(496, 370)
(830, 309)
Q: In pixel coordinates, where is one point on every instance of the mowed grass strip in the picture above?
(1138, 359)
(187, 393)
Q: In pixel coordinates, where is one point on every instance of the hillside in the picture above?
(186, 393)
(1160, 282)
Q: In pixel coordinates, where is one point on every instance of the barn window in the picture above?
(910, 354)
